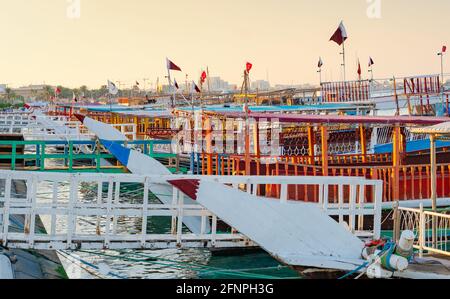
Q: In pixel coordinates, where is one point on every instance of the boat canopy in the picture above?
(439, 129)
(343, 119)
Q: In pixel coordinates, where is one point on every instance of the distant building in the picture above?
(296, 86)
(31, 91)
(261, 85)
(217, 84)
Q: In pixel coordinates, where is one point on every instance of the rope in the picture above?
(386, 248)
(363, 266)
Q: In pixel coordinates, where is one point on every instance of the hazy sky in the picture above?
(129, 40)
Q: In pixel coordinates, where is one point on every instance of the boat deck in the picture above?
(429, 267)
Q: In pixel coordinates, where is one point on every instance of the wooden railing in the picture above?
(414, 181)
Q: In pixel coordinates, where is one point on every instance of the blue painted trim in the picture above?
(120, 152)
(411, 146)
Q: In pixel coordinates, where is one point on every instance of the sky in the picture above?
(87, 42)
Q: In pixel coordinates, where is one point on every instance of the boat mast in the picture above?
(343, 58)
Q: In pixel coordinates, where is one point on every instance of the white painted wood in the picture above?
(107, 131)
(284, 230)
(298, 233)
(141, 164)
(6, 271)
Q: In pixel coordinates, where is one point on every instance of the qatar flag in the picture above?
(359, 69)
(74, 97)
(444, 49)
(172, 66)
(320, 64)
(340, 35)
(195, 87)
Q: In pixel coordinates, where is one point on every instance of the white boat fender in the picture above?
(393, 257)
(405, 245)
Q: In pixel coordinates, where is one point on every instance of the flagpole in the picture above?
(171, 89)
(442, 76)
(320, 75)
(209, 83)
(192, 131)
(247, 127)
(343, 57)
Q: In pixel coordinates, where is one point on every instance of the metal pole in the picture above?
(433, 185)
(442, 77)
(320, 75)
(247, 127)
(343, 58)
(192, 132)
(170, 88)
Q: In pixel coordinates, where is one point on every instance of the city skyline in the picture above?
(46, 41)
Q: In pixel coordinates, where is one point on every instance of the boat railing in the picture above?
(432, 229)
(128, 129)
(38, 153)
(407, 182)
(103, 203)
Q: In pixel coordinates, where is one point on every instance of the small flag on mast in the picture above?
(203, 77)
(444, 49)
(74, 97)
(371, 62)
(176, 84)
(112, 88)
(340, 36)
(172, 66)
(57, 91)
(320, 64)
(248, 67)
(359, 70)
(195, 87)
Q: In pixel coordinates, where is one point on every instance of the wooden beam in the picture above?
(396, 161)
(311, 144)
(363, 142)
(208, 139)
(256, 144)
(324, 133)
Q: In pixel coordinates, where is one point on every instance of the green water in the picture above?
(167, 263)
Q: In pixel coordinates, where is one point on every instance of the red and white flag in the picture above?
(57, 91)
(195, 87)
(371, 62)
(203, 77)
(320, 64)
(359, 69)
(74, 97)
(248, 67)
(172, 66)
(340, 35)
(444, 49)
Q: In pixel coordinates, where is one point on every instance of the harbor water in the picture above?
(157, 264)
